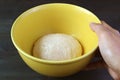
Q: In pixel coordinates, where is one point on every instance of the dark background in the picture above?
(11, 65)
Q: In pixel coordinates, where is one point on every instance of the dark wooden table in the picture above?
(12, 66)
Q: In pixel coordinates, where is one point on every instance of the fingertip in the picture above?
(93, 26)
(98, 28)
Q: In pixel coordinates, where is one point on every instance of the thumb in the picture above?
(98, 28)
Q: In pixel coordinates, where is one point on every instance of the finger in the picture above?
(114, 74)
(98, 28)
(109, 27)
(96, 65)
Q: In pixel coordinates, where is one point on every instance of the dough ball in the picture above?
(57, 47)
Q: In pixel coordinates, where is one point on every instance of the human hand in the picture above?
(109, 45)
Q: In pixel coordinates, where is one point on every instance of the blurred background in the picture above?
(11, 65)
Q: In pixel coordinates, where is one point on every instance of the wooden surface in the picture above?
(12, 66)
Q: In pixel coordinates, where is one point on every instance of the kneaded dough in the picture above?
(57, 47)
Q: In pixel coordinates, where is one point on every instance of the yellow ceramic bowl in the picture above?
(55, 18)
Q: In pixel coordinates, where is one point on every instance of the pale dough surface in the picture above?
(57, 47)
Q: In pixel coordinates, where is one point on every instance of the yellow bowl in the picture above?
(55, 18)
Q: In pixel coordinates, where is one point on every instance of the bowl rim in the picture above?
(20, 51)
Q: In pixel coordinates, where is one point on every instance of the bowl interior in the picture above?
(54, 18)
